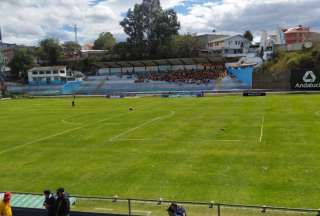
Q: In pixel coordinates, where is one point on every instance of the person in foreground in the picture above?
(49, 202)
(62, 203)
(176, 210)
(5, 208)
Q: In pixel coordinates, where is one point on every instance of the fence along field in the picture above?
(232, 149)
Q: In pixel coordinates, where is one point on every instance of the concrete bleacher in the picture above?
(71, 87)
(117, 83)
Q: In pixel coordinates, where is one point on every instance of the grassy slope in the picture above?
(184, 156)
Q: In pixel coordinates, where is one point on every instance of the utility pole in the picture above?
(75, 33)
(0, 34)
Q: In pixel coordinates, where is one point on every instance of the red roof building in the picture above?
(296, 35)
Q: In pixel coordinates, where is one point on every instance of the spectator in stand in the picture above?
(185, 76)
(62, 203)
(5, 208)
(49, 202)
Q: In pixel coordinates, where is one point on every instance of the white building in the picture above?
(48, 75)
(269, 42)
(233, 46)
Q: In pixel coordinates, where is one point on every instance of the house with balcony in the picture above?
(232, 46)
(48, 75)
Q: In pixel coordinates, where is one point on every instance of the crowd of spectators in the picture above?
(183, 76)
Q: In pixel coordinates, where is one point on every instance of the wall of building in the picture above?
(313, 37)
(47, 75)
(268, 80)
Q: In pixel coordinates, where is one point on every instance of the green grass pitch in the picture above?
(255, 150)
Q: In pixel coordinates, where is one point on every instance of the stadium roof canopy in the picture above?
(161, 62)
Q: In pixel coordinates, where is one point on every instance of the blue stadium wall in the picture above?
(243, 74)
(44, 82)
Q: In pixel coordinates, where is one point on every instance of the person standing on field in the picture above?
(5, 208)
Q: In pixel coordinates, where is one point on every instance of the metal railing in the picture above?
(126, 207)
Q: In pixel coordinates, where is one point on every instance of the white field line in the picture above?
(158, 140)
(135, 211)
(133, 139)
(70, 123)
(57, 134)
(104, 209)
(261, 130)
(143, 212)
(141, 125)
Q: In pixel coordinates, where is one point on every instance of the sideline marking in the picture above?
(141, 125)
(59, 134)
(136, 211)
(160, 140)
(261, 131)
(140, 211)
(104, 209)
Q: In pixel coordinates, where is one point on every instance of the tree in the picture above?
(150, 29)
(2, 63)
(50, 51)
(105, 41)
(71, 47)
(185, 46)
(23, 60)
(163, 29)
(121, 50)
(133, 26)
(248, 35)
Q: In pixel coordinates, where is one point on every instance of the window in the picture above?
(55, 72)
(35, 72)
(41, 72)
(48, 72)
(62, 71)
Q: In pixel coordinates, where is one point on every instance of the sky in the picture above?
(29, 21)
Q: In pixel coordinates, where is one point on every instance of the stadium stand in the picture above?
(152, 76)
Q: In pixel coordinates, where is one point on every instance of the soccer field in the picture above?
(249, 150)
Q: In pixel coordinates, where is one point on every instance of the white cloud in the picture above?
(28, 21)
(230, 16)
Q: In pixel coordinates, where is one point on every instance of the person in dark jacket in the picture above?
(176, 210)
(49, 202)
(62, 203)
(172, 209)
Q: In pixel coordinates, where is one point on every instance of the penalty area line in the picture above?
(261, 130)
(116, 137)
(59, 134)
